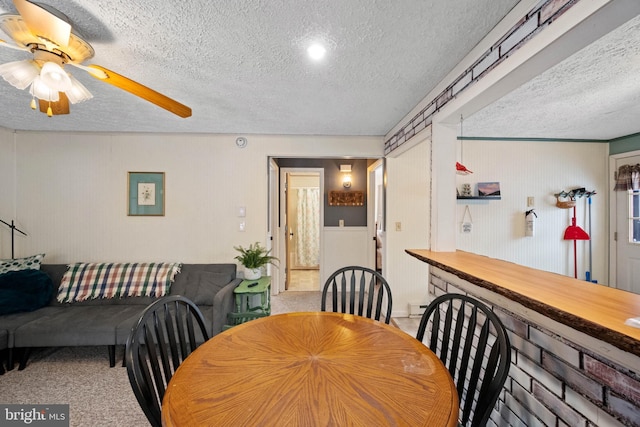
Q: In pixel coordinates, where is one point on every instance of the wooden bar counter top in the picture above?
(596, 310)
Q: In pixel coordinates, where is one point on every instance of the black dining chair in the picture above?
(168, 331)
(362, 291)
(473, 344)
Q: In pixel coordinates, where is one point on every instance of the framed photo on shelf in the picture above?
(146, 194)
(489, 189)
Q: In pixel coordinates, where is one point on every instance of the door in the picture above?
(288, 233)
(302, 208)
(375, 212)
(273, 242)
(627, 234)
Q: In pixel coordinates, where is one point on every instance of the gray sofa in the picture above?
(98, 322)
(4, 344)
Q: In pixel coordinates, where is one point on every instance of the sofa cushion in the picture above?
(201, 286)
(11, 322)
(29, 263)
(74, 326)
(24, 290)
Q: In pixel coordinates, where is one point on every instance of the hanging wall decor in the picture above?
(146, 194)
(346, 198)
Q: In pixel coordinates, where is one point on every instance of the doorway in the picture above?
(376, 211)
(303, 214)
(626, 217)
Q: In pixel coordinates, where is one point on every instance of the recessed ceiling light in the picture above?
(316, 51)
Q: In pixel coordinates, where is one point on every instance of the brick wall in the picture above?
(553, 381)
(545, 13)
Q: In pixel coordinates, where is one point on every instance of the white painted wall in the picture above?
(536, 169)
(71, 199)
(408, 202)
(540, 170)
(7, 186)
(343, 246)
(72, 192)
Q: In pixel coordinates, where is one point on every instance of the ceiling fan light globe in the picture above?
(19, 74)
(55, 77)
(42, 91)
(77, 92)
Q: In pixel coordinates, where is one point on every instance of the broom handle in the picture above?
(590, 235)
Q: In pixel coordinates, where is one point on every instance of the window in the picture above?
(634, 216)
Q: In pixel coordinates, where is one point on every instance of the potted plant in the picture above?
(253, 259)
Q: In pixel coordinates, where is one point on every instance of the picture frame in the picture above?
(146, 194)
(489, 190)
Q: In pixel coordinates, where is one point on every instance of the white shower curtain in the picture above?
(308, 232)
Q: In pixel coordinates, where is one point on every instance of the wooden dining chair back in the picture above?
(473, 344)
(360, 291)
(168, 331)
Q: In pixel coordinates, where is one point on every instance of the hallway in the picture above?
(304, 280)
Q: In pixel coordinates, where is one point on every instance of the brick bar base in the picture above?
(552, 381)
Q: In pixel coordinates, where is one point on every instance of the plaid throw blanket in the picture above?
(89, 280)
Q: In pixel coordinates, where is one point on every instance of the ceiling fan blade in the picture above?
(43, 23)
(142, 91)
(95, 72)
(61, 106)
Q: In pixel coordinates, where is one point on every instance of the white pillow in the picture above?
(28, 263)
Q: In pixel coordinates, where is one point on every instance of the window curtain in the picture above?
(628, 178)
(308, 233)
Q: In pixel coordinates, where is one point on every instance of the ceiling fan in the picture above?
(47, 34)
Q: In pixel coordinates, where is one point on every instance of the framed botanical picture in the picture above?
(146, 194)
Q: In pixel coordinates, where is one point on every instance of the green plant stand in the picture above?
(247, 306)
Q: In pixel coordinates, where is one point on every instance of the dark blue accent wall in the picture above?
(353, 216)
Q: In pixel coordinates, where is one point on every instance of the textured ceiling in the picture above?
(242, 68)
(594, 94)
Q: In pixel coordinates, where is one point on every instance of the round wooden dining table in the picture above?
(311, 369)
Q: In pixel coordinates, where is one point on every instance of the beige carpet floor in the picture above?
(81, 377)
(97, 394)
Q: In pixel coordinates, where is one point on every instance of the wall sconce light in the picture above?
(346, 177)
